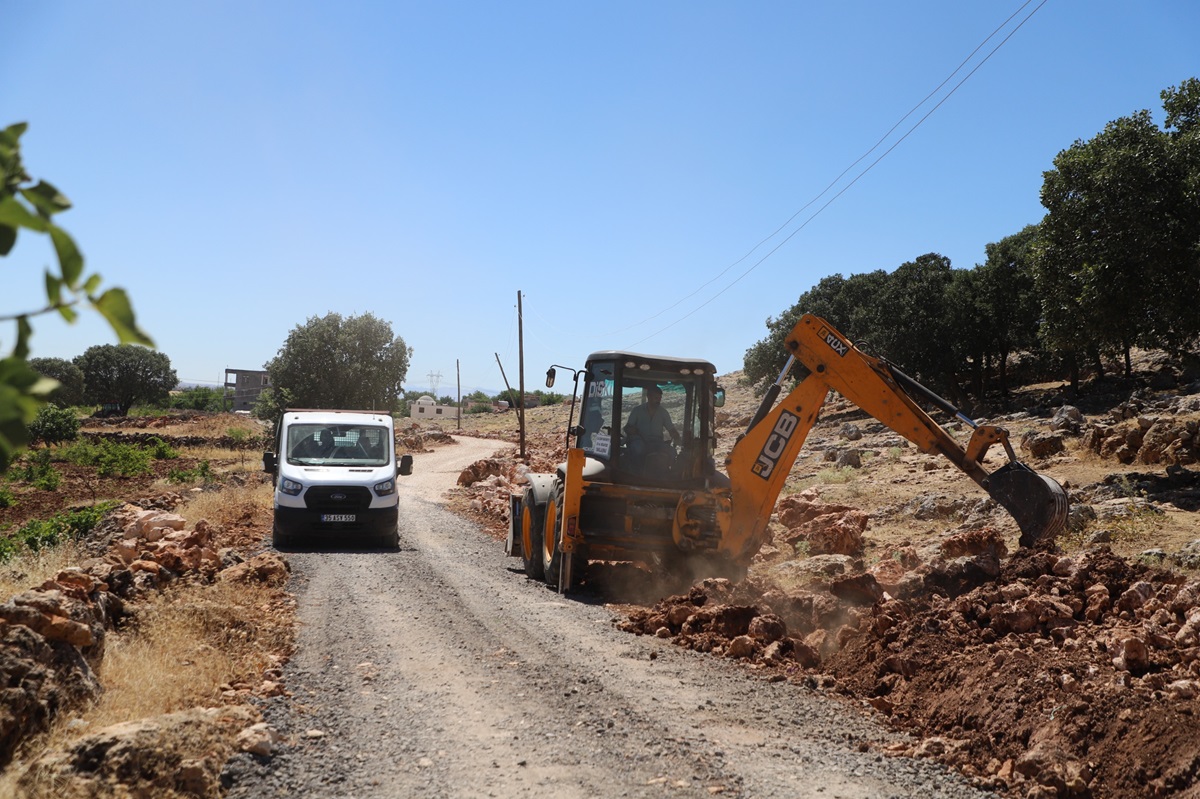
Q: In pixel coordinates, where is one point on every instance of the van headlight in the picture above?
(385, 488)
(290, 487)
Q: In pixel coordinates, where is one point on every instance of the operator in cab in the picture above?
(646, 425)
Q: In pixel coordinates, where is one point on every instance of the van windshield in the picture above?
(338, 445)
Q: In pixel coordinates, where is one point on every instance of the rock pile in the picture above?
(1144, 430)
(488, 484)
(824, 528)
(52, 637)
(1047, 674)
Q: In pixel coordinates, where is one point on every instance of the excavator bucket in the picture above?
(1038, 503)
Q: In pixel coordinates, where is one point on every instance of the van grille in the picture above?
(337, 499)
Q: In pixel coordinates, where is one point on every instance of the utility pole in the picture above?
(458, 378)
(521, 368)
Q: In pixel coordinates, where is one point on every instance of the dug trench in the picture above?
(1068, 670)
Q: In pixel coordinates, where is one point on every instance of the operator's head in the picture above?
(653, 395)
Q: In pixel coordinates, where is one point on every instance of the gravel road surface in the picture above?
(440, 670)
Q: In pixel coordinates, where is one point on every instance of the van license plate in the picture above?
(337, 517)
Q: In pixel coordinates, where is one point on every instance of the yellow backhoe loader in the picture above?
(640, 487)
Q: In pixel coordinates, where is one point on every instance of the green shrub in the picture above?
(123, 460)
(41, 533)
(49, 479)
(161, 450)
(81, 453)
(110, 458)
(35, 468)
(53, 425)
(203, 473)
(7, 497)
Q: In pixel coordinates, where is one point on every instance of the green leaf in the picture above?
(69, 257)
(53, 288)
(24, 331)
(14, 214)
(68, 313)
(21, 396)
(12, 134)
(46, 199)
(114, 306)
(91, 284)
(8, 237)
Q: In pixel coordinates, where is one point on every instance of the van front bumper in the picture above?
(367, 522)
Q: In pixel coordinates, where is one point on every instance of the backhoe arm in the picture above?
(759, 463)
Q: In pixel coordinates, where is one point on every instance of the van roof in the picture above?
(326, 416)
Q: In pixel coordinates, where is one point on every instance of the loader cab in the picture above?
(615, 384)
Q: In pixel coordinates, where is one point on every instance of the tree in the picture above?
(68, 375)
(32, 206)
(913, 329)
(1115, 243)
(202, 398)
(1006, 301)
(125, 375)
(849, 304)
(353, 362)
(1182, 104)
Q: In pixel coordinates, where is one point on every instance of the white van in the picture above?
(335, 474)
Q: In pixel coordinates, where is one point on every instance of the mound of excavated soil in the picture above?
(1069, 675)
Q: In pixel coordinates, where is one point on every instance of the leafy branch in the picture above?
(31, 206)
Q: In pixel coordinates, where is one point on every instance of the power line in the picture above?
(834, 182)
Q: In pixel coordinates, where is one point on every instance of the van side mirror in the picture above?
(270, 462)
(719, 397)
(405, 466)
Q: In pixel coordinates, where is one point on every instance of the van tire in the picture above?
(280, 539)
(391, 541)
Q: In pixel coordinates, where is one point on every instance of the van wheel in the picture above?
(280, 539)
(531, 524)
(390, 541)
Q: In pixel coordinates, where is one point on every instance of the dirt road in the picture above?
(439, 670)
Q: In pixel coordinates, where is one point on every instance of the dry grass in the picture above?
(31, 569)
(230, 505)
(185, 646)
(184, 649)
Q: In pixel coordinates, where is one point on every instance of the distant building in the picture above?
(246, 384)
(426, 408)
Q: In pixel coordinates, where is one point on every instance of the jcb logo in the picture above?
(835, 343)
(776, 444)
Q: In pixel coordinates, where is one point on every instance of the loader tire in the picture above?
(552, 556)
(532, 527)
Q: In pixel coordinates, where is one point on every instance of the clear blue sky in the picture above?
(241, 167)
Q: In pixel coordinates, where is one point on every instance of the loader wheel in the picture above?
(532, 525)
(552, 557)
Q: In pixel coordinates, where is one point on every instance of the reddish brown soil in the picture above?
(1065, 676)
(1071, 672)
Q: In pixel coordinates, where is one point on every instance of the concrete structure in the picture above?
(427, 409)
(246, 384)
